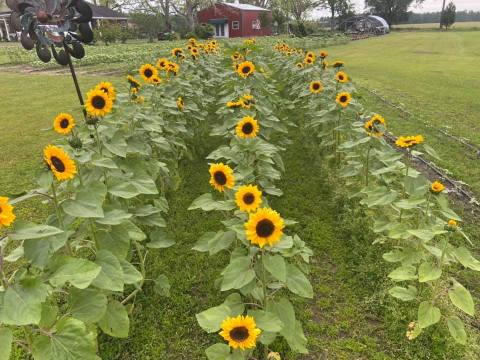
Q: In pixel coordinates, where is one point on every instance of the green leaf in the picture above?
(428, 314)
(465, 258)
(461, 298)
(87, 305)
(404, 294)
(114, 239)
(423, 234)
(117, 144)
(298, 283)
(428, 272)
(49, 315)
(145, 185)
(403, 273)
(6, 339)
(162, 285)
(113, 216)
(76, 271)
(104, 162)
(24, 231)
(235, 303)
(71, 341)
(266, 321)
(111, 274)
(394, 256)
(115, 322)
(40, 252)
(276, 266)
(130, 273)
(159, 239)
(22, 302)
(206, 203)
(457, 330)
(218, 352)
(237, 274)
(211, 320)
(431, 151)
(122, 189)
(88, 202)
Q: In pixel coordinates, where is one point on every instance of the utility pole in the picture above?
(441, 14)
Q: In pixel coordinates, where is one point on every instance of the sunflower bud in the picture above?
(91, 120)
(75, 142)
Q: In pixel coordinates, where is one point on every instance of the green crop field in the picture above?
(465, 25)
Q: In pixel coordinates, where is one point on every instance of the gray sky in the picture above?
(427, 6)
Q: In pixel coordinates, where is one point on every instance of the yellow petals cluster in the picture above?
(264, 227)
(409, 141)
(7, 217)
(240, 332)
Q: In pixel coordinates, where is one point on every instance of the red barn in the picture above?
(237, 20)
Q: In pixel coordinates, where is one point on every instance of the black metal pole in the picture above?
(75, 81)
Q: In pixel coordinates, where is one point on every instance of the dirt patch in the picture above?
(84, 70)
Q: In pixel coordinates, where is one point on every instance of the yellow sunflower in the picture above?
(308, 60)
(194, 52)
(299, 65)
(7, 217)
(343, 99)
(173, 68)
(236, 56)
(176, 52)
(310, 54)
(341, 77)
(133, 82)
(246, 101)
(245, 69)
(59, 162)
(234, 104)
(107, 88)
(264, 227)
(63, 123)
(409, 141)
(437, 187)
(98, 103)
(323, 54)
(452, 223)
(180, 103)
(240, 332)
(338, 64)
(155, 80)
(315, 87)
(147, 71)
(221, 177)
(248, 198)
(247, 128)
(162, 63)
(375, 126)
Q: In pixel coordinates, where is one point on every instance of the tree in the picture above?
(393, 11)
(448, 15)
(148, 24)
(337, 7)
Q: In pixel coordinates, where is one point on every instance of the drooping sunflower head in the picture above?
(376, 126)
(155, 80)
(247, 101)
(245, 69)
(180, 103)
(247, 128)
(162, 64)
(7, 217)
(409, 141)
(341, 77)
(315, 87)
(107, 88)
(338, 64)
(221, 177)
(62, 166)
(248, 198)
(240, 332)
(63, 123)
(133, 82)
(236, 56)
(176, 52)
(343, 99)
(323, 54)
(299, 65)
(147, 71)
(437, 187)
(264, 227)
(98, 103)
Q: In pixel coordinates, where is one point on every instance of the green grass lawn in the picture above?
(435, 76)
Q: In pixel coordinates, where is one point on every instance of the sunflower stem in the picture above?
(59, 215)
(440, 265)
(404, 190)
(265, 296)
(367, 165)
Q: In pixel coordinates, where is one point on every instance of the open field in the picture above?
(351, 315)
(459, 25)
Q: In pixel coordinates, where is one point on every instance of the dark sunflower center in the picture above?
(248, 198)
(340, 77)
(343, 99)
(98, 102)
(247, 128)
(220, 177)
(177, 52)
(148, 73)
(246, 69)
(64, 123)
(265, 228)
(316, 86)
(239, 333)
(58, 164)
(408, 142)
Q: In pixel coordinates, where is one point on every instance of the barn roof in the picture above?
(103, 12)
(245, 6)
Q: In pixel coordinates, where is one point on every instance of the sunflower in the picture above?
(437, 187)
(155, 80)
(173, 68)
(133, 82)
(139, 100)
(248, 198)
(245, 69)
(180, 103)
(234, 104)
(63, 123)
(59, 162)
(236, 56)
(315, 87)
(338, 64)
(147, 71)
(246, 101)
(240, 332)
(323, 54)
(309, 60)
(247, 128)
(7, 217)
(452, 225)
(162, 64)
(375, 126)
(343, 99)
(264, 227)
(98, 103)
(324, 64)
(221, 177)
(134, 91)
(107, 88)
(310, 54)
(299, 65)
(409, 141)
(176, 52)
(194, 52)
(341, 77)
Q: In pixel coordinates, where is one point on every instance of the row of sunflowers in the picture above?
(107, 177)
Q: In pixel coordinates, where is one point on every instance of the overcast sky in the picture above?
(427, 6)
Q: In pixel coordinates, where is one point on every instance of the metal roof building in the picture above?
(365, 24)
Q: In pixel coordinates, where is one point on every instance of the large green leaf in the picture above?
(218, 352)
(114, 239)
(428, 314)
(428, 272)
(404, 294)
(237, 274)
(87, 305)
(130, 273)
(206, 203)
(159, 239)
(39, 252)
(6, 339)
(115, 322)
(24, 231)
(88, 202)
(111, 274)
(71, 341)
(464, 256)
(122, 189)
(162, 285)
(298, 283)
(276, 266)
(113, 216)
(461, 298)
(403, 273)
(266, 321)
(145, 185)
(211, 320)
(76, 271)
(457, 330)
